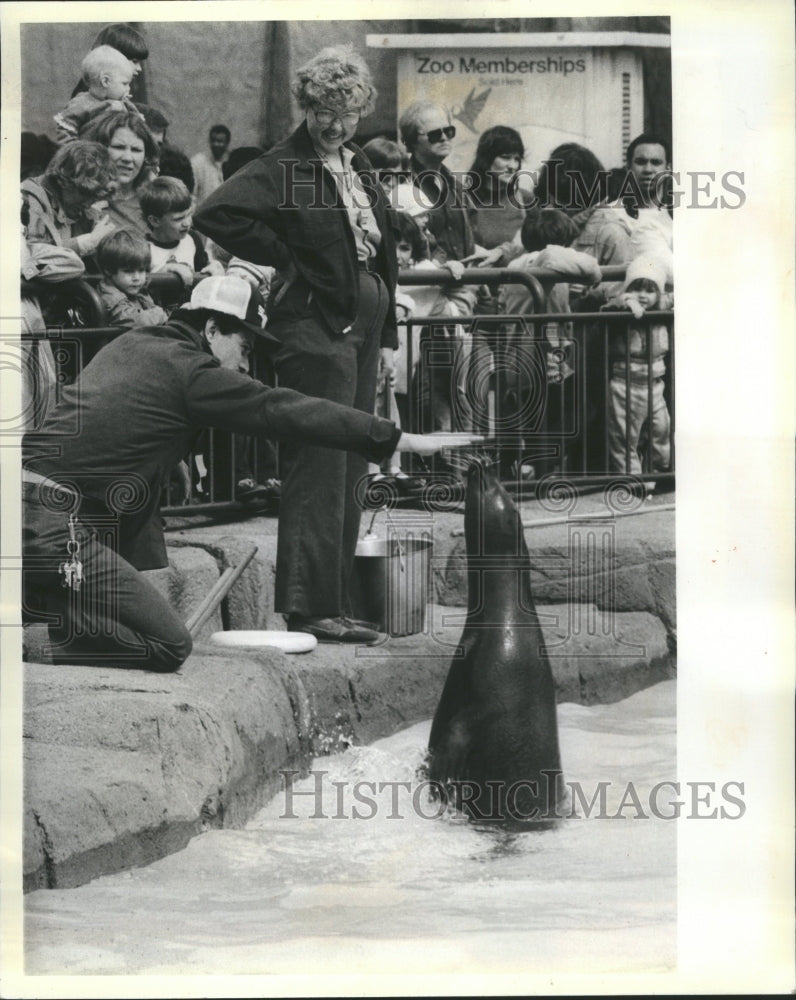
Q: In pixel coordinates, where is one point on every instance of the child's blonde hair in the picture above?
(103, 59)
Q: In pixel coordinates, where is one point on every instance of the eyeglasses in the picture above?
(436, 134)
(326, 117)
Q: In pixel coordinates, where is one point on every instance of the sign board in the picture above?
(585, 88)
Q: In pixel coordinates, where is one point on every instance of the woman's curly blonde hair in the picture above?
(337, 78)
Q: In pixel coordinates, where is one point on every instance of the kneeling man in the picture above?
(92, 474)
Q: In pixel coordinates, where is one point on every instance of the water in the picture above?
(324, 895)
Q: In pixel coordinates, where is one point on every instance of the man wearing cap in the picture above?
(92, 474)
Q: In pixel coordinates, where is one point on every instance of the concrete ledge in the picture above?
(116, 756)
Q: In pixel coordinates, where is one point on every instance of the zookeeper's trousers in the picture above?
(116, 618)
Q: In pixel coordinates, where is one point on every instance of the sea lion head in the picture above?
(492, 523)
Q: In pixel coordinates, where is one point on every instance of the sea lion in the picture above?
(493, 748)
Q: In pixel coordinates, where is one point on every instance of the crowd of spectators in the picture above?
(117, 200)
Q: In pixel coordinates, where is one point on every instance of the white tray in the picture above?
(288, 642)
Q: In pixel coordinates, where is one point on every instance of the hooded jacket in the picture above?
(137, 408)
(283, 209)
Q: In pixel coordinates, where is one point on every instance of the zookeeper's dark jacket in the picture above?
(285, 210)
(137, 408)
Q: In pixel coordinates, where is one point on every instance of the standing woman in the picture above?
(312, 208)
(135, 154)
(498, 210)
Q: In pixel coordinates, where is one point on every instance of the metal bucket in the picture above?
(390, 583)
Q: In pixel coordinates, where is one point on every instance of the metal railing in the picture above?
(562, 424)
(541, 429)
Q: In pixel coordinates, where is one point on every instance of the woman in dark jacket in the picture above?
(312, 208)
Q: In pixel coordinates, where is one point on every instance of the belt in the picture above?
(29, 476)
(368, 265)
(33, 480)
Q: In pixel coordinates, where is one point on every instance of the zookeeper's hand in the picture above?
(429, 444)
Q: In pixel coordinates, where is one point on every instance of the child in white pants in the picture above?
(638, 353)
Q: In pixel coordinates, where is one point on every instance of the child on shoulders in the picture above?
(124, 260)
(107, 74)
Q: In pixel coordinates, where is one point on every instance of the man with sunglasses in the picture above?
(427, 133)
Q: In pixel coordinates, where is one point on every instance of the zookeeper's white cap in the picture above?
(233, 297)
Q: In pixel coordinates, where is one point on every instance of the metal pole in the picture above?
(217, 594)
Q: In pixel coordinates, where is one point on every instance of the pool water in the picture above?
(348, 879)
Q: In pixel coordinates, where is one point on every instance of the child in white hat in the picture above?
(637, 358)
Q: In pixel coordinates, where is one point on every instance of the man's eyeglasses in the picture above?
(436, 134)
(326, 117)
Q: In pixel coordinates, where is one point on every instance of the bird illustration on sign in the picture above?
(472, 108)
